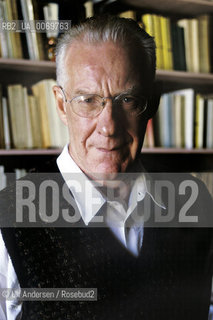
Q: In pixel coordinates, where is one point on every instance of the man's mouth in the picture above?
(112, 149)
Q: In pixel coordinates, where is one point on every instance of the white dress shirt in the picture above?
(114, 211)
(9, 310)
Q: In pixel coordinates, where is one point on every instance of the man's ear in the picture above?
(61, 108)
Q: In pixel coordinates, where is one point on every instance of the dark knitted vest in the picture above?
(171, 278)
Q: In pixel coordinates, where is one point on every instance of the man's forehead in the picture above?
(81, 51)
(97, 64)
(99, 60)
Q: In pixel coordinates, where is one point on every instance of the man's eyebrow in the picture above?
(81, 91)
(134, 90)
(130, 90)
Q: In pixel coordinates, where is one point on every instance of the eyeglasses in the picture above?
(91, 105)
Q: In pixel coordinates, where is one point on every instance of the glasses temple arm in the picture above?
(65, 99)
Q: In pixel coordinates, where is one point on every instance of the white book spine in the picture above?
(20, 173)
(7, 34)
(3, 35)
(89, 9)
(3, 178)
(26, 17)
(189, 116)
(51, 13)
(200, 119)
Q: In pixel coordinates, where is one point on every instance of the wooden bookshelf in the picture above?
(28, 72)
(190, 78)
(24, 65)
(159, 159)
(48, 67)
(42, 152)
(178, 7)
(29, 152)
(177, 151)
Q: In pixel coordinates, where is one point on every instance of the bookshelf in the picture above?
(41, 69)
(24, 65)
(177, 7)
(177, 151)
(31, 71)
(26, 152)
(169, 80)
(190, 78)
(18, 152)
(169, 159)
(175, 80)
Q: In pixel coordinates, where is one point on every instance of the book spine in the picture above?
(199, 121)
(7, 138)
(3, 178)
(158, 39)
(209, 129)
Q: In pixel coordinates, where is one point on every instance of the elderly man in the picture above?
(105, 75)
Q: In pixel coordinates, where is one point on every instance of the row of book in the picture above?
(206, 177)
(19, 173)
(31, 120)
(184, 44)
(181, 45)
(29, 28)
(28, 44)
(184, 120)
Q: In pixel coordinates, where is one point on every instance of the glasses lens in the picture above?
(87, 106)
(132, 105)
(90, 105)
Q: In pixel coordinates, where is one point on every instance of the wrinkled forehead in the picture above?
(101, 58)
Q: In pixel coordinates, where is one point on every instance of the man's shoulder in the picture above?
(186, 198)
(37, 198)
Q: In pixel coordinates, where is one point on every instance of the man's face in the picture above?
(107, 144)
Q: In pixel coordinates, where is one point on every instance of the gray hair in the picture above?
(124, 32)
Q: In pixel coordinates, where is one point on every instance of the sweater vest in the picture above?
(170, 279)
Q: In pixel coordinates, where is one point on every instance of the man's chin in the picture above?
(107, 171)
(104, 177)
(108, 178)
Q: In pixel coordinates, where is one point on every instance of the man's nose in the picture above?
(108, 120)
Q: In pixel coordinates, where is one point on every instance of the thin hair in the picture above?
(124, 32)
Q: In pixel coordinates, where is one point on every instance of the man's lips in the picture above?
(112, 149)
(107, 150)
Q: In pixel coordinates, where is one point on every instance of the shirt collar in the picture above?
(70, 171)
(88, 209)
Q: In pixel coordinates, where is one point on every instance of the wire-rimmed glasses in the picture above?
(91, 105)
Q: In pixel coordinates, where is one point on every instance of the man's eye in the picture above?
(88, 100)
(129, 99)
(129, 102)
